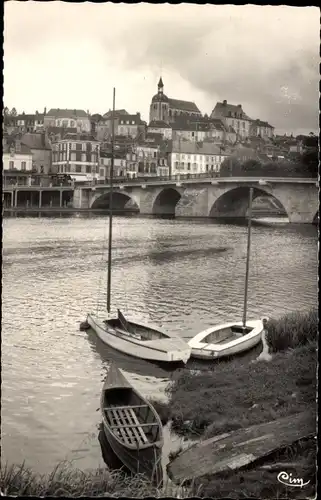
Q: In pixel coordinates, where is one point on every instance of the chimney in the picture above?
(45, 111)
(224, 102)
(239, 105)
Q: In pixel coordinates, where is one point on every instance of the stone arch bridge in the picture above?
(222, 197)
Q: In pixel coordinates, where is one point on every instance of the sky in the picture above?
(71, 55)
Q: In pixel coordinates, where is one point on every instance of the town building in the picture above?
(73, 118)
(40, 148)
(160, 127)
(30, 123)
(16, 157)
(163, 108)
(196, 158)
(234, 117)
(258, 128)
(125, 124)
(77, 155)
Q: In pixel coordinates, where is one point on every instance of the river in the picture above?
(182, 275)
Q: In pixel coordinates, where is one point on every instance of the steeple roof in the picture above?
(160, 83)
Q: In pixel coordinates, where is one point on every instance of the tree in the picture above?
(230, 167)
(252, 166)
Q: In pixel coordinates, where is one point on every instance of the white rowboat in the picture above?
(225, 340)
(144, 341)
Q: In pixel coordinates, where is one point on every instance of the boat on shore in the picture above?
(140, 340)
(132, 427)
(233, 337)
(132, 337)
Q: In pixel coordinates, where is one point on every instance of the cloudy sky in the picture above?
(68, 55)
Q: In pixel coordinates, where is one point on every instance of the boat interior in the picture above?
(130, 418)
(134, 330)
(226, 335)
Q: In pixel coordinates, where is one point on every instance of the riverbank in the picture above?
(238, 394)
(67, 481)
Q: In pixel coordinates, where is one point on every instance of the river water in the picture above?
(182, 275)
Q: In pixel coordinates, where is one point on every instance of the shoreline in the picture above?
(234, 394)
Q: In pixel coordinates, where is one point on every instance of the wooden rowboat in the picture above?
(132, 427)
(226, 340)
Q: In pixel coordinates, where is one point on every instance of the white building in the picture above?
(16, 156)
(196, 158)
(68, 118)
(78, 156)
(234, 117)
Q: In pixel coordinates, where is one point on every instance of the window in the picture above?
(78, 146)
(83, 146)
(23, 165)
(188, 166)
(11, 164)
(88, 169)
(195, 157)
(183, 157)
(73, 157)
(243, 124)
(102, 172)
(72, 123)
(83, 157)
(73, 146)
(58, 123)
(93, 158)
(78, 168)
(133, 123)
(127, 122)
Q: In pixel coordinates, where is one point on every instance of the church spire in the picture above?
(160, 85)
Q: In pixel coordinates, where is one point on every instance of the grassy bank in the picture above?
(239, 393)
(66, 481)
(235, 394)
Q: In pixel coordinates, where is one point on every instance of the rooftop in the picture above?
(67, 113)
(229, 110)
(206, 148)
(36, 141)
(9, 143)
(260, 123)
(159, 124)
(117, 112)
(183, 105)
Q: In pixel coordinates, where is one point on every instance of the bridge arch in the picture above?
(234, 202)
(121, 201)
(166, 201)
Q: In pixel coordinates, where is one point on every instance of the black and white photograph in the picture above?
(160, 218)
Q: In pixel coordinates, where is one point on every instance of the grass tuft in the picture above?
(65, 481)
(293, 330)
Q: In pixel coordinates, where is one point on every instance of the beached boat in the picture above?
(234, 337)
(226, 340)
(140, 340)
(132, 337)
(132, 427)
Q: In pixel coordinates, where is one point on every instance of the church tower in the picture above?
(159, 107)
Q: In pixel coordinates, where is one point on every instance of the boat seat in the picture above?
(124, 420)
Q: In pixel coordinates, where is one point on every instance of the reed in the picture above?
(292, 330)
(66, 481)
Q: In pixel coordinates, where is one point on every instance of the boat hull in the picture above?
(147, 461)
(167, 350)
(201, 350)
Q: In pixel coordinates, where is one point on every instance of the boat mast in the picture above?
(247, 256)
(111, 175)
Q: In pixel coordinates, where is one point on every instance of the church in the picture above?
(166, 110)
